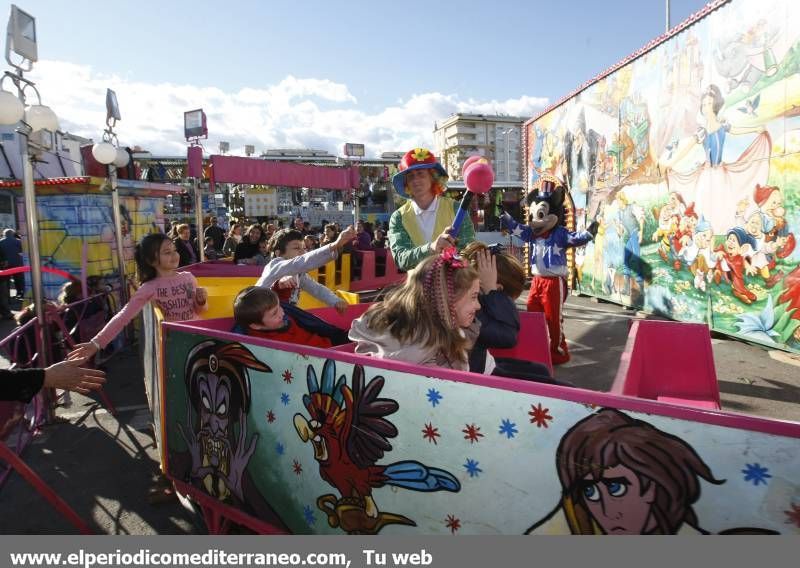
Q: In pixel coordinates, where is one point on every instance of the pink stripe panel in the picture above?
(235, 169)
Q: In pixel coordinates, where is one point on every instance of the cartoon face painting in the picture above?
(618, 502)
(620, 475)
(219, 394)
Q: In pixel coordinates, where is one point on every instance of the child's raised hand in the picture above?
(487, 270)
(345, 237)
(200, 296)
(287, 282)
(341, 307)
(82, 351)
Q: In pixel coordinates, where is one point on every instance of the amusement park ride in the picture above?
(282, 438)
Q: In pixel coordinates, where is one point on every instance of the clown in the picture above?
(549, 240)
(421, 226)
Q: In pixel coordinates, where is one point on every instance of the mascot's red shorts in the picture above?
(547, 295)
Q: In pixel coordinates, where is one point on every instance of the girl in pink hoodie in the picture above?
(175, 293)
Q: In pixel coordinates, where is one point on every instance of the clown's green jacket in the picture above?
(406, 242)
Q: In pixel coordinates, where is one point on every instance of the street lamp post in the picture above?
(37, 124)
(112, 156)
(194, 128)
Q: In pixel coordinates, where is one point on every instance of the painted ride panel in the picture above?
(331, 442)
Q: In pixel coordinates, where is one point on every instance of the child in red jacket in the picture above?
(258, 312)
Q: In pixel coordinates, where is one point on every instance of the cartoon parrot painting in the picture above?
(349, 433)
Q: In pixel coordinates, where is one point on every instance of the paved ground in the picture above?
(752, 380)
(105, 466)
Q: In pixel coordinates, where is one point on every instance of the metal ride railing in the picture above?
(19, 421)
(68, 325)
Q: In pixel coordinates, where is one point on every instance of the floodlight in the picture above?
(21, 36)
(112, 106)
(194, 124)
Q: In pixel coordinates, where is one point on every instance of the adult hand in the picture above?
(345, 237)
(82, 351)
(341, 307)
(200, 296)
(443, 241)
(69, 375)
(487, 270)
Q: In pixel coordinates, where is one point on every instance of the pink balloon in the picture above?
(479, 177)
(468, 162)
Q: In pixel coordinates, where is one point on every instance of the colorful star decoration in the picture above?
(287, 376)
(794, 515)
(755, 473)
(430, 433)
(472, 433)
(298, 469)
(434, 397)
(539, 415)
(508, 428)
(285, 398)
(452, 523)
(472, 468)
(308, 513)
(279, 448)
(270, 416)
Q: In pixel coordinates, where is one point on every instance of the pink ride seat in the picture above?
(533, 341)
(669, 362)
(342, 321)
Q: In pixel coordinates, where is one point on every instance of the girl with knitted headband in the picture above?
(425, 321)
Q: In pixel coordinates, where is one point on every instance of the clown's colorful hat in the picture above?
(416, 159)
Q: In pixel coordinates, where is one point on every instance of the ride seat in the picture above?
(669, 362)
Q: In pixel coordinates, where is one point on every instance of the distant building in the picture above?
(497, 137)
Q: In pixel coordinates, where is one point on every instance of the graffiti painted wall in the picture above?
(689, 158)
(71, 221)
(334, 447)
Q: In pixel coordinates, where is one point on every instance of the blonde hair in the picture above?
(415, 312)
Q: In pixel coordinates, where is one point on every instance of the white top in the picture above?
(278, 268)
(426, 217)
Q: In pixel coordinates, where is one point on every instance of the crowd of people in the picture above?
(249, 244)
(451, 310)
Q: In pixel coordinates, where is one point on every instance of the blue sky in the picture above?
(319, 73)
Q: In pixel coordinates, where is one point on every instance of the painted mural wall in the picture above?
(68, 222)
(689, 158)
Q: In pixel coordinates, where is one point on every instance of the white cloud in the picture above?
(294, 113)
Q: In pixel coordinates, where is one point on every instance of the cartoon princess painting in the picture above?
(715, 186)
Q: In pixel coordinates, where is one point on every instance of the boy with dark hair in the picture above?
(258, 312)
(286, 272)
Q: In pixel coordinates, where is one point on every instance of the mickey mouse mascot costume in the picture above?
(549, 239)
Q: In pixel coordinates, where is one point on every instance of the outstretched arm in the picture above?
(519, 230)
